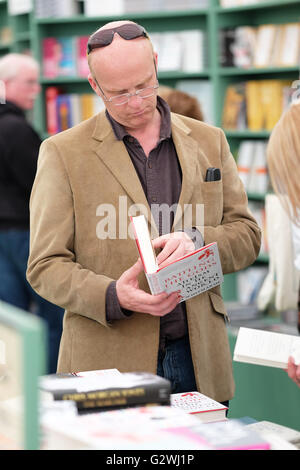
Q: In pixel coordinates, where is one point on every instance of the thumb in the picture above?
(135, 270)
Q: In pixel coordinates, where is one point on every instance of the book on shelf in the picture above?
(234, 113)
(249, 282)
(244, 46)
(190, 275)
(96, 8)
(255, 104)
(266, 348)
(65, 57)
(204, 408)
(96, 391)
(19, 7)
(290, 45)
(56, 8)
(264, 45)
(267, 45)
(64, 111)
(180, 50)
(257, 208)
(252, 166)
(227, 38)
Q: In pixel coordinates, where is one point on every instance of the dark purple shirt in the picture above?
(160, 176)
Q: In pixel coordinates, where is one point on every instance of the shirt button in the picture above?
(131, 139)
(150, 165)
(154, 199)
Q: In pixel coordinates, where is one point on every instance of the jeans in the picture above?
(175, 364)
(15, 290)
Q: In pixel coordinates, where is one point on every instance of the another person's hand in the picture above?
(293, 371)
(174, 246)
(131, 297)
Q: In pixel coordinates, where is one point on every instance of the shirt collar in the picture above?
(165, 127)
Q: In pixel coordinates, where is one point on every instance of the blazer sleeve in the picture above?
(238, 236)
(52, 268)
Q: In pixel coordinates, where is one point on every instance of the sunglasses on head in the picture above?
(105, 37)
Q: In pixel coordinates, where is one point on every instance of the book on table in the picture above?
(266, 348)
(190, 275)
(101, 390)
(204, 408)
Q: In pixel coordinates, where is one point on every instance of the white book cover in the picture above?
(266, 35)
(266, 348)
(245, 161)
(259, 180)
(290, 45)
(191, 275)
(200, 405)
(193, 48)
(171, 52)
(96, 8)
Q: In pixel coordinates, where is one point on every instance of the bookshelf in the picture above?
(30, 31)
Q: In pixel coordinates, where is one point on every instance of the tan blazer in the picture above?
(85, 167)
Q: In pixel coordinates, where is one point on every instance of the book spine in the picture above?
(82, 63)
(51, 100)
(117, 397)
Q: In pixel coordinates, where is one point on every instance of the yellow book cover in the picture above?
(87, 105)
(272, 101)
(233, 106)
(253, 105)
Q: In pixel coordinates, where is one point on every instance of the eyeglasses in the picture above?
(118, 100)
(104, 37)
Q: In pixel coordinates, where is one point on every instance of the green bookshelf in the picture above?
(29, 31)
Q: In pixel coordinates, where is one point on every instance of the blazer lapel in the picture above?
(114, 155)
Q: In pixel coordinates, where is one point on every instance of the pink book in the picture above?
(51, 57)
(82, 63)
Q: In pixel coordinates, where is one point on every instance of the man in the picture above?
(19, 147)
(136, 155)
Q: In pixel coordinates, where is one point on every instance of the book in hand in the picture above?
(203, 407)
(266, 348)
(94, 391)
(190, 275)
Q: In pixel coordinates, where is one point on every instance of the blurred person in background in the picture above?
(181, 102)
(283, 156)
(19, 147)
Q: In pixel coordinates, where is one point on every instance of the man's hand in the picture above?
(174, 246)
(131, 297)
(293, 371)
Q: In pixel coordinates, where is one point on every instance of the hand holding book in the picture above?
(132, 298)
(174, 246)
(190, 274)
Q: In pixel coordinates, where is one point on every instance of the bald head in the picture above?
(118, 47)
(125, 67)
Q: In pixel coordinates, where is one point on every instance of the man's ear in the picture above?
(93, 84)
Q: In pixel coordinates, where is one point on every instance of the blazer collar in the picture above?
(113, 154)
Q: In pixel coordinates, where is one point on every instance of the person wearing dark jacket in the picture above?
(19, 148)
